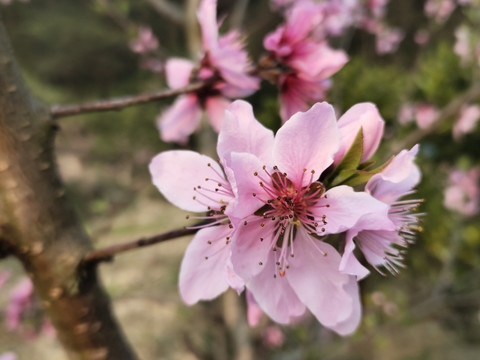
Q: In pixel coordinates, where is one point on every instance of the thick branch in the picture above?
(59, 111)
(443, 116)
(109, 252)
(40, 227)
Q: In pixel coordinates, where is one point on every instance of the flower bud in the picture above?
(367, 117)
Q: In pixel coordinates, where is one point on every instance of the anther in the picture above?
(292, 255)
(194, 197)
(254, 194)
(255, 173)
(187, 217)
(275, 167)
(313, 171)
(325, 254)
(328, 205)
(206, 257)
(274, 249)
(264, 167)
(278, 263)
(261, 239)
(288, 266)
(209, 164)
(274, 276)
(260, 263)
(230, 226)
(323, 229)
(262, 225)
(245, 223)
(209, 242)
(206, 179)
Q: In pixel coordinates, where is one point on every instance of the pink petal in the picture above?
(347, 207)
(251, 245)
(254, 312)
(241, 132)
(317, 60)
(180, 120)
(398, 178)
(216, 106)
(275, 296)
(367, 117)
(243, 166)
(177, 173)
(203, 274)
(178, 72)
(349, 263)
(307, 141)
(330, 295)
(207, 17)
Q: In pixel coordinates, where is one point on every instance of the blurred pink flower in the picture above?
(360, 116)
(310, 61)
(388, 39)
(273, 337)
(254, 312)
(145, 41)
(4, 276)
(421, 37)
(225, 62)
(377, 7)
(462, 193)
(281, 211)
(373, 237)
(426, 115)
(469, 116)
(462, 44)
(20, 303)
(152, 64)
(440, 10)
(8, 356)
(406, 113)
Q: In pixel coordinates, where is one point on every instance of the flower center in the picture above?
(293, 208)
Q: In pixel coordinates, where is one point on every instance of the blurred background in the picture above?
(416, 63)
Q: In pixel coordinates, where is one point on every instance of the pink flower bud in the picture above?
(367, 117)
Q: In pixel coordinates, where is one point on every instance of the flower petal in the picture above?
(399, 177)
(207, 17)
(344, 207)
(216, 106)
(349, 263)
(243, 166)
(241, 132)
(307, 141)
(330, 295)
(275, 296)
(367, 117)
(251, 245)
(180, 120)
(178, 72)
(177, 173)
(203, 274)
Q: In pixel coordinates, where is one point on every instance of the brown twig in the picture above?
(108, 253)
(59, 111)
(444, 115)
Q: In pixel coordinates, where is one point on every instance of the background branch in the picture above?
(172, 11)
(59, 111)
(108, 253)
(452, 108)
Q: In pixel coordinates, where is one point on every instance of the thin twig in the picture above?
(59, 111)
(169, 9)
(444, 115)
(108, 253)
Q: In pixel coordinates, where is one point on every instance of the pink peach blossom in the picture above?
(426, 115)
(463, 193)
(281, 214)
(309, 59)
(376, 240)
(406, 113)
(360, 116)
(145, 41)
(225, 62)
(440, 10)
(469, 116)
(197, 183)
(273, 337)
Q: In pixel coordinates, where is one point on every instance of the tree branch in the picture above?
(452, 108)
(59, 111)
(168, 9)
(108, 253)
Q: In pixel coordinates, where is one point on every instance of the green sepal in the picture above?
(350, 161)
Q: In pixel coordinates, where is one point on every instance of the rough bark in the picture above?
(38, 225)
